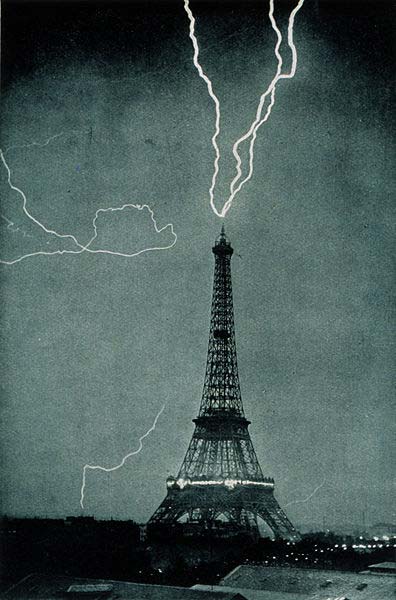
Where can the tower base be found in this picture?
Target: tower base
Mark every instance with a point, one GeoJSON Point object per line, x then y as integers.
{"type": "Point", "coordinates": [218, 509]}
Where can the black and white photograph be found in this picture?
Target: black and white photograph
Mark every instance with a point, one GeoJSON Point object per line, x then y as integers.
{"type": "Point", "coordinates": [197, 287]}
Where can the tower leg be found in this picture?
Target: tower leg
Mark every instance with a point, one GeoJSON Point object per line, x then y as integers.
{"type": "Point", "coordinates": [270, 511]}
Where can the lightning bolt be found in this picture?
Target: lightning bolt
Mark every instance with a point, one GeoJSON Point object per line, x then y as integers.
{"type": "Point", "coordinates": [259, 120]}
{"type": "Point", "coordinates": [308, 497]}
{"type": "Point", "coordinates": [81, 247]}
{"type": "Point", "coordinates": [110, 469]}
{"type": "Point", "coordinates": [215, 99]}
{"type": "Point", "coordinates": [46, 142]}
{"type": "Point", "coordinates": [11, 224]}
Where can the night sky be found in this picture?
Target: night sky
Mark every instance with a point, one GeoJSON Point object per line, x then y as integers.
{"type": "Point", "coordinates": [94, 345]}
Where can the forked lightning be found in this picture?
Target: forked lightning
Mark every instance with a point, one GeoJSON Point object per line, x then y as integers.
{"type": "Point", "coordinates": [236, 185]}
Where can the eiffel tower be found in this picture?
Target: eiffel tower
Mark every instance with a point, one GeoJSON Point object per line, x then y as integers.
{"type": "Point", "coordinates": [220, 482]}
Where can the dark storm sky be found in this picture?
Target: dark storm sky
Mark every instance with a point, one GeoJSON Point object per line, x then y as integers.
{"type": "Point", "coordinates": [94, 345]}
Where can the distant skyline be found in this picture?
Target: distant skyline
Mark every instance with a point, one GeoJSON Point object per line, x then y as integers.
{"type": "Point", "coordinates": [94, 345]}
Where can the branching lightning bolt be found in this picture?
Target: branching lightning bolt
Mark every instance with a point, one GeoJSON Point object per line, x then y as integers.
{"type": "Point", "coordinates": [110, 469]}
{"type": "Point", "coordinates": [251, 134]}
{"type": "Point", "coordinates": [308, 497]}
{"type": "Point", "coordinates": [81, 247]}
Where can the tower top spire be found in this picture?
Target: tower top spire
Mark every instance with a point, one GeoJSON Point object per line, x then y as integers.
{"type": "Point", "coordinates": [222, 245]}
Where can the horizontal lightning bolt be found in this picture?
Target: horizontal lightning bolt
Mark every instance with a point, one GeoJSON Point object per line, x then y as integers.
{"type": "Point", "coordinates": [46, 142]}
{"type": "Point", "coordinates": [81, 247]}
{"type": "Point", "coordinates": [110, 469]}
{"type": "Point", "coordinates": [259, 119]}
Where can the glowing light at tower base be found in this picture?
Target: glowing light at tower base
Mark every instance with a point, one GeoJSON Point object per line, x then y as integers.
{"type": "Point", "coordinates": [228, 483]}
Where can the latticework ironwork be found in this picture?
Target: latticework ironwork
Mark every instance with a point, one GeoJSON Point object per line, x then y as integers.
{"type": "Point", "coordinates": [220, 477]}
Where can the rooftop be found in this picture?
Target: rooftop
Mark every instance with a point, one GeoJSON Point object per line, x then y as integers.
{"type": "Point", "coordinates": [313, 584]}
{"type": "Point", "coordinates": [386, 567]}
{"type": "Point", "coordinates": [45, 587]}
{"type": "Point", "coordinates": [250, 594]}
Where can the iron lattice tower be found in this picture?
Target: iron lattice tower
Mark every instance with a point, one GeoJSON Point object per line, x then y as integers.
{"type": "Point", "coordinates": [220, 482]}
